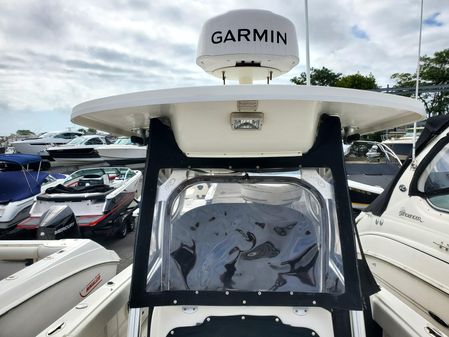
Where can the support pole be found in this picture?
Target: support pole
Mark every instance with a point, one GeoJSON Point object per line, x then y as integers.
{"type": "Point", "coordinates": [306, 9]}
{"type": "Point", "coordinates": [418, 68]}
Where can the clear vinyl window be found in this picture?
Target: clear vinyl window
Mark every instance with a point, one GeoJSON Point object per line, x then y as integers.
{"type": "Point", "coordinates": [247, 233]}
{"type": "Point", "coordinates": [434, 181]}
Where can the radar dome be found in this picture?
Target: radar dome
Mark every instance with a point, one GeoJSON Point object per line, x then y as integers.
{"type": "Point", "coordinates": [247, 45]}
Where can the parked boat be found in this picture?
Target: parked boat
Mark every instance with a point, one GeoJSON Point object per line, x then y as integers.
{"type": "Point", "coordinates": [252, 233]}
{"type": "Point", "coordinates": [100, 199]}
{"type": "Point", "coordinates": [123, 152]}
{"type": "Point", "coordinates": [403, 145]}
{"type": "Point", "coordinates": [21, 179]}
{"type": "Point", "coordinates": [370, 167]}
{"type": "Point", "coordinates": [405, 237]}
{"type": "Point", "coordinates": [38, 146]}
{"type": "Point", "coordinates": [39, 280]}
{"type": "Point", "coordinates": [79, 150]}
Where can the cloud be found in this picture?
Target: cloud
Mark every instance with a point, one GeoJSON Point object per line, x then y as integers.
{"type": "Point", "coordinates": [55, 54]}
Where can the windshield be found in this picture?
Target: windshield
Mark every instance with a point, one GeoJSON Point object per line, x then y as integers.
{"type": "Point", "coordinates": [112, 173]}
{"type": "Point", "coordinates": [48, 134]}
{"type": "Point", "coordinates": [434, 181]}
{"type": "Point", "coordinates": [123, 141]}
{"type": "Point", "coordinates": [77, 141]}
{"type": "Point", "coordinates": [247, 233]}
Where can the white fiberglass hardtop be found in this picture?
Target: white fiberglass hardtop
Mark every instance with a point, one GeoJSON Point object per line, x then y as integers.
{"type": "Point", "coordinates": [290, 114]}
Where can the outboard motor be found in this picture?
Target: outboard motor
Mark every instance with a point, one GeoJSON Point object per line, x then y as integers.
{"type": "Point", "coordinates": [59, 222]}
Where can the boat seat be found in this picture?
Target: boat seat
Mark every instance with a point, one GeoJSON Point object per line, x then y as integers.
{"type": "Point", "coordinates": [93, 180]}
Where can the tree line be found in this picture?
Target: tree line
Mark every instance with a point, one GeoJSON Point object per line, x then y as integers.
{"type": "Point", "coordinates": [89, 131]}
{"type": "Point", "coordinates": [434, 70]}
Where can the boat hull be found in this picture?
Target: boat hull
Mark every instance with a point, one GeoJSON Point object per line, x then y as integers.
{"type": "Point", "coordinates": [68, 289]}
{"type": "Point", "coordinates": [420, 282]}
{"type": "Point", "coordinates": [66, 272]}
{"type": "Point", "coordinates": [116, 155]}
{"type": "Point", "coordinates": [35, 147]}
{"type": "Point", "coordinates": [14, 212]}
{"type": "Point", "coordinates": [107, 315]}
{"type": "Point", "coordinates": [74, 155]}
{"type": "Point", "coordinates": [360, 199]}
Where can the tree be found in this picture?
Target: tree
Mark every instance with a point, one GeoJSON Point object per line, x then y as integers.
{"type": "Point", "coordinates": [327, 77]}
{"type": "Point", "coordinates": [434, 71]}
{"type": "Point", "coordinates": [91, 131]}
{"type": "Point", "coordinates": [323, 77]}
{"type": "Point", "coordinates": [357, 81]}
{"type": "Point", "coordinates": [24, 132]}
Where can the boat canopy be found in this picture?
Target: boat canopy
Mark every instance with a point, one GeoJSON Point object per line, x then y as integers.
{"type": "Point", "coordinates": [20, 159]}
{"type": "Point", "coordinates": [288, 113]}
{"type": "Point", "coordinates": [19, 185]}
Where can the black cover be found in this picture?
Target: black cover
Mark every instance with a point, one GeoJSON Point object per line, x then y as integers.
{"type": "Point", "coordinates": [79, 189]}
{"type": "Point", "coordinates": [58, 222]}
{"type": "Point", "coordinates": [242, 326]}
{"type": "Point", "coordinates": [434, 126]}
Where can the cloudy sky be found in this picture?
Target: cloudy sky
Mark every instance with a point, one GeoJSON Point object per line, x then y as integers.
{"type": "Point", "coordinates": [55, 54]}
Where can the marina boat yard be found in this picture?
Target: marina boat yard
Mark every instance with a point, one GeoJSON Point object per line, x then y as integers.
{"type": "Point", "coordinates": [224, 291]}
{"type": "Point", "coordinates": [215, 215]}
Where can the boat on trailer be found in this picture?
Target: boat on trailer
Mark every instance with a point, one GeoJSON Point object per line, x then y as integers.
{"type": "Point", "coordinates": [101, 199]}
{"type": "Point", "coordinates": [252, 232]}
{"type": "Point", "coordinates": [21, 179]}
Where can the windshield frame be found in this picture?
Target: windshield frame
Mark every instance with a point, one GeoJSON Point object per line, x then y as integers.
{"type": "Point", "coordinates": [164, 154]}
{"type": "Point", "coordinates": [420, 170]}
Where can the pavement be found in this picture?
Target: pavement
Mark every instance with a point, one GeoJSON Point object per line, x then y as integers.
{"type": "Point", "coordinates": [123, 247]}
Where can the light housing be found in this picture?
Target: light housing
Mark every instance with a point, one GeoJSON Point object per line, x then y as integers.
{"type": "Point", "coordinates": [246, 120]}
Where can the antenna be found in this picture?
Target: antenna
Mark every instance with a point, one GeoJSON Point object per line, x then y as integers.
{"type": "Point", "coordinates": [417, 81]}
{"type": "Point", "coordinates": [306, 13]}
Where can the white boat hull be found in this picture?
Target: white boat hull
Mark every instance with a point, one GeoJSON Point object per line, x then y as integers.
{"type": "Point", "coordinates": [117, 155]}
{"type": "Point", "coordinates": [397, 318]}
{"type": "Point", "coordinates": [417, 279]}
{"type": "Point", "coordinates": [36, 147]}
{"type": "Point", "coordinates": [72, 161]}
{"type": "Point", "coordinates": [75, 154]}
{"type": "Point", "coordinates": [107, 315]}
{"type": "Point", "coordinates": [117, 152]}
{"type": "Point", "coordinates": [66, 272]}
{"type": "Point", "coordinates": [14, 212]}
